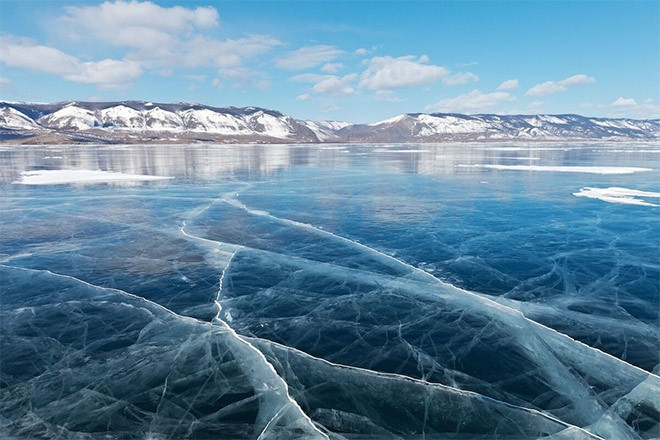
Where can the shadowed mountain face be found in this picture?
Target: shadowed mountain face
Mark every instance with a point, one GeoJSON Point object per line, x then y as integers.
{"type": "Point", "coordinates": [139, 122]}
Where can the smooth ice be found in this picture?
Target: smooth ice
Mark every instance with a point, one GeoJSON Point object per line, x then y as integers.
{"type": "Point", "coordinates": [355, 292]}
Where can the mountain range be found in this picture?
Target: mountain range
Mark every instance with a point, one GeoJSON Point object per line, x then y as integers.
{"type": "Point", "coordinates": [146, 122]}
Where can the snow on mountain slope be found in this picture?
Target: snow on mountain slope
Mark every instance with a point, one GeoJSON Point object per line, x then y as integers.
{"type": "Point", "coordinates": [163, 120]}
{"type": "Point", "coordinates": [432, 125]}
{"type": "Point", "coordinates": [270, 125]}
{"type": "Point", "coordinates": [326, 130]}
{"type": "Point", "coordinates": [206, 120]}
{"type": "Point", "coordinates": [70, 117]}
{"type": "Point", "coordinates": [138, 121]}
{"type": "Point", "coordinates": [438, 127]}
{"type": "Point", "coordinates": [393, 120]}
{"type": "Point", "coordinates": [122, 117]}
{"type": "Point", "coordinates": [12, 119]}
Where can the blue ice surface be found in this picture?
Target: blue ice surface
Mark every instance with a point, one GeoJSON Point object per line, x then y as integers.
{"type": "Point", "coordinates": [283, 291]}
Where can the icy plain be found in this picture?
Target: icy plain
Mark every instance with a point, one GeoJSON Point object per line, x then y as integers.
{"type": "Point", "coordinates": [353, 292]}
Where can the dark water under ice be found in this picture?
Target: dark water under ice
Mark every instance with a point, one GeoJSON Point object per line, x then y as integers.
{"type": "Point", "coordinates": [357, 292]}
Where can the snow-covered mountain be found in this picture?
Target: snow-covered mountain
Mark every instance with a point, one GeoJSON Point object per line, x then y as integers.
{"type": "Point", "coordinates": [136, 121]}
{"type": "Point", "coordinates": [442, 127]}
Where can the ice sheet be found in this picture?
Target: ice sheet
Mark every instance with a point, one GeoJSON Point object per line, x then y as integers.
{"type": "Point", "coordinates": [291, 292]}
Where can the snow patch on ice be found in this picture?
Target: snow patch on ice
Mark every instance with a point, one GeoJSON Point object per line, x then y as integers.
{"type": "Point", "coordinates": [562, 168]}
{"type": "Point", "coordinates": [59, 177]}
{"type": "Point", "coordinates": [614, 194]}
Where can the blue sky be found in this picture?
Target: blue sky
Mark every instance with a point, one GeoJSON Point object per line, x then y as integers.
{"type": "Point", "coordinates": [357, 61]}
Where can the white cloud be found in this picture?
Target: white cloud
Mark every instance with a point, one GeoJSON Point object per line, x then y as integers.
{"type": "Point", "coordinates": [244, 77]}
{"type": "Point", "coordinates": [198, 78]}
{"type": "Point", "coordinates": [307, 57]}
{"type": "Point", "coordinates": [163, 37]}
{"type": "Point", "coordinates": [550, 87]}
{"type": "Point", "coordinates": [107, 74]}
{"type": "Point", "coordinates": [4, 80]}
{"type": "Point", "coordinates": [623, 102]}
{"type": "Point", "coordinates": [471, 102]}
{"type": "Point", "coordinates": [387, 96]}
{"type": "Point", "coordinates": [387, 73]}
{"type": "Point", "coordinates": [165, 73]}
{"type": "Point", "coordinates": [577, 80]}
{"type": "Point", "coordinates": [336, 86]}
{"type": "Point", "coordinates": [38, 58]}
{"type": "Point", "coordinates": [460, 78]}
{"type": "Point", "coordinates": [216, 83]}
{"type": "Point", "coordinates": [535, 105]}
{"type": "Point", "coordinates": [332, 67]}
{"type": "Point", "coordinates": [361, 51]}
{"type": "Point", "coordinates": [328, 84]}
{"type": "Point", "coordinates": [139, 24]}
{"type": "Point", "coordinates": [201, 51]}
{"type": "Point", "coordinates": [509, 84]}
{"type": "Point", "coordinates": [330, 107]}
{"type": "Point", "coordinates": [629, 108]}
{"type": "Point", "coordinates": [303, 97]}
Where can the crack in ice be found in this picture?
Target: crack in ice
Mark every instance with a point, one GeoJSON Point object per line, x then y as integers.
{"type": "Point", "coordinates": [425, 383]}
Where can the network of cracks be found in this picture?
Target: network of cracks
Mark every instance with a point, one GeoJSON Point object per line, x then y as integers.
{"type": "Point", "coordinates": [227, 322]}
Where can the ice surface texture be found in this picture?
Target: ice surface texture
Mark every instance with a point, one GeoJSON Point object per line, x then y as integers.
{"type": "Point", "coordinates": [309, 304]}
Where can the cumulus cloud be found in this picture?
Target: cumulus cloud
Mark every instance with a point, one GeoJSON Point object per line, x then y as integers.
{"type": "Point", "coordinates": [164, 37]}
{"type": "Point", "coordinates": [361, 51]}
{"type": "Point", "coordinates": [387, 73]}
{"type": "Point", "coordinates": [332, 67]}
{"type": "Point", "coordinates": [460, 78]}
{"type": "Point", "coordinates": [107, 73]}
{"type": "Point", "coordinates": [471, 102]}
{"type": "Point", "coordinates": [509, 84]}
{"type": "Point", "coordinates": [202, 51]}
{"type": "Point", "coordinates": [4, 80]}
{"type": "Point", "coordinates": [550, 87]}
{"type": "Point", "coordinates": [307, 57]}
{"type": "Point", "coordinates": [623, 102]}
{"type": "Point", "coordinates": [139, 24]}
{"type": "Point", "coordinates": [328, 84]}
{"type": "Point", "coordinates": [303, 97]}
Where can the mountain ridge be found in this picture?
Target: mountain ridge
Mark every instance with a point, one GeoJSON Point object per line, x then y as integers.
{"type": "Point", "coordinates": [148, 122]}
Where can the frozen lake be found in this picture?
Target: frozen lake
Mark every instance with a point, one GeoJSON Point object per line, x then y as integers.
{"type": "Point", "coordinates": [330, 291]}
